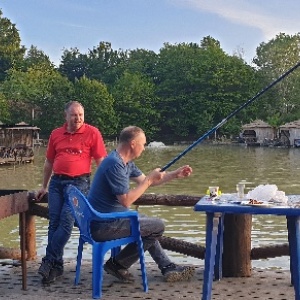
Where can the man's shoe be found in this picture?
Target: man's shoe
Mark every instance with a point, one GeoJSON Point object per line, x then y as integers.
{"type": "Point", "coordinates": [114, 269]}
{"type": "Point", "coordinates": [45, 268]}
{"type": "Point", "coordinates": [55, 273]}
{"type": "Point", "coordinates": [173, 273]}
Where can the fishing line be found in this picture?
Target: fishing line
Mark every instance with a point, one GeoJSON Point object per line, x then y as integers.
{"type": "Point", "coordinates": [229, 117]}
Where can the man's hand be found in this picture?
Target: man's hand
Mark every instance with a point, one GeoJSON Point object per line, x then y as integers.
{"type": "Point", "coordinates": [183, 171]}
{"type": "Point", "coordinates": [155, 176]}
{"type": "Point", "coordinates": [40, 194]}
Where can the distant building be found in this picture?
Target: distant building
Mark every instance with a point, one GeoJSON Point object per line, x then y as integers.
{"type": "Point", "coordinates": [290, 134]}
{"type": "Point", "coordinates": [257, 133]}
{"type": "Point", "coordinates": [18, 135]}
{"type": "Point", "coordinates": [17, 142]}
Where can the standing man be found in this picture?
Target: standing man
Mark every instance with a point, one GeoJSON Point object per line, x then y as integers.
{"type": "Point", "coordinates": [68, 161]}
{"type": "Point", "coordinates": [111, 192]}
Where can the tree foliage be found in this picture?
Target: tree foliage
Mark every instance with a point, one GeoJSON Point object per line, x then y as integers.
{"type": "Point", "coordinates": [4, 109]}
{"type": "Point", "coordinates": [144, 62]}
{"type": "Point", "coordinates": [11, 51]}
{"type": "Point", "coordinates": [38, 96]}
{"type": "Point", "coordinates": [201, 85]}
{"type": "Point", "coordinates": [34, 57]}
{"type": "Point", "coordinates": [180, 92]}
{"type": "Point", "coordinates": [135, 102]}
{"type": "Point", "coordinates": [74, 65]}
{"type": "Point", "coordinates": [272, 60]}
{"type": "Point", "coordinates": [98, 103]}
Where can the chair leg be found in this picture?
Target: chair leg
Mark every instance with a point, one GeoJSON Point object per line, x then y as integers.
{"type": "Point", "coordinates": [79, 258]}
{"type": "Point", "coordinates": [98, 260]}
{"type": "Point", "coordinates": [115, 251]}
{"type": "Point", "coordinates": [143, 265]}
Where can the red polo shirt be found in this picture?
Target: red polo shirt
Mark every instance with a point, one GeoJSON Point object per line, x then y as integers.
{"type": "Point", "coordinates": [71, 153]}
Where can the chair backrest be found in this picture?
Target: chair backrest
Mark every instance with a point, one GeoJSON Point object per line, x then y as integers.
{"type": "Point", "coordinates": [84, 213]}
{"type": "Point", "coordinates": [81, 208]}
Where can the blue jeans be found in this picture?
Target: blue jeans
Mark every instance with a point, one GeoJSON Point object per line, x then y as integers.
{"type": "Point", "coordinates": [151, 229]}
{"type": "Point", "coordinates": [61, 220]}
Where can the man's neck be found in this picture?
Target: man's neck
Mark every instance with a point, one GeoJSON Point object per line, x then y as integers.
{"type": "Point", "coordinates": [71, 129]}
{"type": "Point", "coordinates": [124, 154]}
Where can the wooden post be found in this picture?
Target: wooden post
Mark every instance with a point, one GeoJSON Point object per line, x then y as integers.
{"type": "Point", "coordinates": [22, 229]}
{"type": "Point", "coordinates": [30, 236]}
{"type": "Point", "coordinates": [237, 246]}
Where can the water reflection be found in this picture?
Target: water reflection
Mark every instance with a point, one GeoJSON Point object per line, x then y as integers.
{"type": "Point", "coordinates": [219, 165]}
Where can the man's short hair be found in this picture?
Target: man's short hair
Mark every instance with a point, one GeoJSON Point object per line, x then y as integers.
{"type": "Point", "coordinates": [129, 133]}
{"type": "Point", "coordinates": [67, 105]}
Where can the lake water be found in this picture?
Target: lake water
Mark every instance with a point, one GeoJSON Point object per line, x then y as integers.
{"type": "Point", "coordinates": [221, 165]}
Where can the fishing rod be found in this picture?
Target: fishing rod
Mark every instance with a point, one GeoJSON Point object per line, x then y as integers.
{"type": "Point", "coordinates": [228, 117]}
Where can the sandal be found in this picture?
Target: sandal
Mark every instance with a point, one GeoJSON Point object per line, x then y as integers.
{"type": "Point", "coordinates": [114, 269]}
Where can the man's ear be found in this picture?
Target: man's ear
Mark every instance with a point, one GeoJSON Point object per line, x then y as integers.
{"type": "Point", "coordinates": [132, 143]}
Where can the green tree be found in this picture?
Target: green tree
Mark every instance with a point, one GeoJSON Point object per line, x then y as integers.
{"type": "Point", "coordinates": [98, 103]}
{"type": "Point", "coordinates": [143, 62]}
{"type": "Point", "coordinates": [102, 63]}
{"type": "Point", "coordinates": [11, 51]}
{"type": "Point", "coordinates": [38, 96]}
{"type": "Point", "coordinates": [34, 57]}
{"type": "Point", "coordinates": [74, 64]}
{"type": "Point", "coordinates": [210, 43]}
{"type": "Point", "coordinates": [106, 64]}
{"type": "Point", "coordinates": [272, 60]}
{"type": "Point", "coordinates": [232, 83]}
{"type": "Point", "coordinates": [201, 85]}
{"type": "Point", "coordinates": [179, 86]}
{"type": "Point", "coordinates": [4, 112]}
{"type": "Point", "coordinates": [135, 102]}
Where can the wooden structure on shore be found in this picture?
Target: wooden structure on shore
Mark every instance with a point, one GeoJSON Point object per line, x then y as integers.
{"type": "Point", "coordinates": [237, 262]}
{"type": "Point", "coordinates": [257, 132]}
{"type": "Point", "coordinates": [290, 133]}
{"type": "Point", "coordinates": [17, 142]}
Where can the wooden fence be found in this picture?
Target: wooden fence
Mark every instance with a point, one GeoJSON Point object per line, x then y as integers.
{"type": "Point", "coordinates": [237, 254]}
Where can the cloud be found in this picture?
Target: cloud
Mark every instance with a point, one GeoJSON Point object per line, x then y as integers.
{"type": "Point", "coordinates": [80, 27]}
{"type": "Point", "coordinates": [262, 17]}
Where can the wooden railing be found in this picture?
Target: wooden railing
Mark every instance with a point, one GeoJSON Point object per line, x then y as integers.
{"type": "Point", "coordinates": [237, 232]}
{"type": "Point", "coordinates": [16, 202]}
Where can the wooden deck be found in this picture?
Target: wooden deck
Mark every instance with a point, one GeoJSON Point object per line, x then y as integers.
{"type": "Point", "coordinates": [18, 160]}
{"type": "Point", "coordinates": [263, 284]}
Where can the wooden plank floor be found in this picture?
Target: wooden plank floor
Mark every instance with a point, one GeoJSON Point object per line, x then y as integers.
{"type": "Point", "coordinates": [264, 284]}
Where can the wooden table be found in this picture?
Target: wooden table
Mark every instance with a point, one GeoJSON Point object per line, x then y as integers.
{"type": "Point", "coordinates": [215, 211]}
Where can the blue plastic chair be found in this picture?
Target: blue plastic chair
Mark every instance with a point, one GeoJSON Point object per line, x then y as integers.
{"type": "Point", "coordinates": [84, 214]}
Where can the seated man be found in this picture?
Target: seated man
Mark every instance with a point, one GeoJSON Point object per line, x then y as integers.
{"type": "Point", "coordinates": [111, 192]}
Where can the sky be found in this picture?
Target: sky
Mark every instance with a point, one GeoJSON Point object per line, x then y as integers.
{"type": "Point", "coordinates": [239, 25]}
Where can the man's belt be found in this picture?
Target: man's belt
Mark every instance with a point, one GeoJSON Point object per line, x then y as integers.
{"type": "Point", "coordinates": [66, 177]}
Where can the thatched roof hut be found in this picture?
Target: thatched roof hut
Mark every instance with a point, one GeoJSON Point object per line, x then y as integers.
{"type": "Point", "coordinates": [258, 132]}
{"type": "Point", "coordinates": [290, 133]}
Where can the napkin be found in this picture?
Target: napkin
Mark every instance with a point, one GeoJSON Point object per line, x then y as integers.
{"type": "Point", "coordinates": [267, 193]}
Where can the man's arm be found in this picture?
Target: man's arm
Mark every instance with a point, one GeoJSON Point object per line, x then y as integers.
{"type": "Point", "coordinates": [181, 172]}
{"type": "Point", "coordinates": [154, 178]}
{"type": "Point", "coordinates": [48, 166]}
{"type": "Point", "coordinates": [143, 182]}
{"type": "Point", "coordinates": [98, 161]}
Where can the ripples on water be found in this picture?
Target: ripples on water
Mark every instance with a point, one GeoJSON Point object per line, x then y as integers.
{"type": "Point", "coordinates": [212, 165]}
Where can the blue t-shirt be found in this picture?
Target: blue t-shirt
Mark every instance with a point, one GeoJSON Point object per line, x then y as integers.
{"type": "Point", "coordinates": [112, 178]}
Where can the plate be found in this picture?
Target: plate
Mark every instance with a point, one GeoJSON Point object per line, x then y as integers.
{"type": "Point", "coordinates": [257, 204]}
